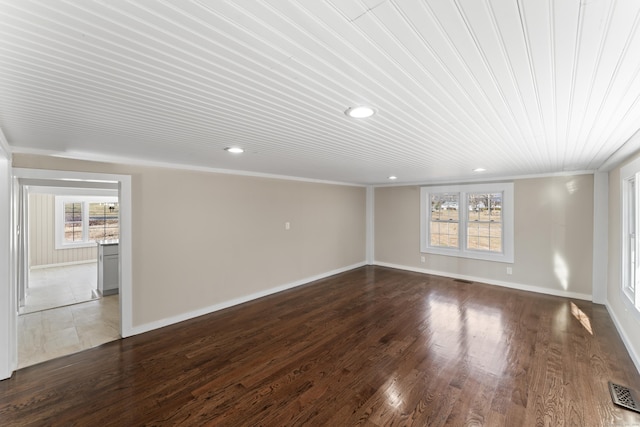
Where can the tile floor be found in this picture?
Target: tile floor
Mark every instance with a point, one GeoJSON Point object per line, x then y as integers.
{"type": "Point", "coordinates": [55, 332]}
{"type": "Point", "coordinates": [57, 286]}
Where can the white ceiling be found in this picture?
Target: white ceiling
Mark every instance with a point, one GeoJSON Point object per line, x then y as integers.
{"type": "Point", "coordinates": [518, 87]}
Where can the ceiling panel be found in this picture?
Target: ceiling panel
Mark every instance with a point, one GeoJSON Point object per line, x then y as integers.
{"type": "Point", "coordinates": [519, 87]}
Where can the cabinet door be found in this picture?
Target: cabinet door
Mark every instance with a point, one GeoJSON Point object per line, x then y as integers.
{"type": "Point", "coordinates": [111, 276]}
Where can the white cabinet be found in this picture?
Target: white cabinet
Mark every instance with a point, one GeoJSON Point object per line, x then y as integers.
{"type": "Point", "coordinates": [108, 267]}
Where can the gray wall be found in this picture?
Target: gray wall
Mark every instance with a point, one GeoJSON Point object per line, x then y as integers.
{"type": "Point", "coordinates": [201, 239]}
{"type": "Point", "coordinates": [553, 236]}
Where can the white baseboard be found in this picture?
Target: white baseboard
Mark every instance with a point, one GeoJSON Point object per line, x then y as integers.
{"type": "Point", "coordinates": [518, 286]}
{"type": "Point", "coordinates": [226, 304]}
{"type": "Point", "coordinates": [63, 264]}
{"type": "Point", "coordinates": [625, 338]}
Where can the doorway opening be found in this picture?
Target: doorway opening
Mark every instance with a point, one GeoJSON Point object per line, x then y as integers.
{"type": "Point", "coordinates": [63, 232]}
{"type": "Point", "coordinates": [65, 302]}
{"type": "Point", "coordinates": [64, 309]}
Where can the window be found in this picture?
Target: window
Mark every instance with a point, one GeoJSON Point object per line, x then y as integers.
{"type": "Point", "coordinates": [73, 222]}
{"type": "Point", "coordinates": [80, 221]}
{"type": "Point", "coordinates": [629, 176]}
{"type": "Point", "coordinates": [484, 226]}
{"type": "Point", "coordinates": [469, 221]}
{"type": "Point", "coordinates": [629, 281]}
{"type": "Point", "coordinates": [444, 220]}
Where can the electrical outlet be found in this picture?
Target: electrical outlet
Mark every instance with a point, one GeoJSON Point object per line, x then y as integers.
{"type": "Point", "coordinates": [509, 270]}
{"type": "Point", "coordinates": [287, 225]}
{"type": "Point", "coordinates": [422, 258]}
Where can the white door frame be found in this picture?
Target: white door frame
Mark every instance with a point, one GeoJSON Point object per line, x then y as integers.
{"type": "Point", "coordinates": [9, 311]}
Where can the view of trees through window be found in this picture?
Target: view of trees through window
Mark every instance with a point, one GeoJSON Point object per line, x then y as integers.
{"type": "Point", "coordinates": [102, 221]}
{"type": "Point", "coordinates": [483, 223]}
{"type": "Point", "coordinates": [468, 221]}
{"type": "Point", "coordinates": [444, 220]}
{"type": "Point", "coordinates": [73, 222]}
{"type": "Point", "coordinates": [484, 226]}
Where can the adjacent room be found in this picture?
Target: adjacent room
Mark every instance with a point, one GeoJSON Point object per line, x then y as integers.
{"type": "Point", "coordinates": [70, 241]}
{"type": "Point", "coordinates": [320, 213]}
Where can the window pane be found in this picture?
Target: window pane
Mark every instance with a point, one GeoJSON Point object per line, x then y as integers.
{"type": "Point", "coordinates": [484, 229]}
{"type": "Point", "coordinates": [444, 234]}
{"type": "Point", "coordinates": [495, 237]}
{"type": "Point", "coordinates": [73, 222]}
{"type": "Point", "coordinates": [444, 220]}
{"type": "Point", "coordinates": [476, 210]}
{"type": "Point", "coordinates": [103, 221]}
{"type": "Point", "coordinates": [444, 206]}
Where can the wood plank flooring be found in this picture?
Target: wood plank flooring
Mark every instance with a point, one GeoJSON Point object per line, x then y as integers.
{"type": "Point", "coordinates": [373, 346]}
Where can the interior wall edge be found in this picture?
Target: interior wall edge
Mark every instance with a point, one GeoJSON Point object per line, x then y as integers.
{"type": "Point", "coordinates": [600, 237]}
{"type": "Point", "coordinates": [635, 358]}
{"type": "Point", "coordinates": [8, 353]}
{"type": "Point", "coordinates": [370, 225]}
{"type": "Point", "coordinates": [511, 285]}
{"type": "Point", "coordinates": [135, 330]}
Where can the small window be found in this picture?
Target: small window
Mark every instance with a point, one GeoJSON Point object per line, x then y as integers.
{"type": "Point", "coordinates": [72, 222]}
{"type": "Point", "coordinates": [103, 221]}
{"type": "Point", "coordinates": [469, 221]}
{"type": "Point", "coordinates": [80, 221]}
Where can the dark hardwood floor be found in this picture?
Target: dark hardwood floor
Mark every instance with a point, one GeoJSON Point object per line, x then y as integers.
{"type": "Point", "coordinates": [373, 346]}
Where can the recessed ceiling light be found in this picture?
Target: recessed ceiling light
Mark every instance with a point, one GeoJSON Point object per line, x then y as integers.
{"type": "Point", "coordinates": [479, 170]}
{"type": "Point", "coordinates": [360, 112]}
{"type": "Point", "coordinates": [392, 177]}
{"type": "Point", "coordinates": [234, 150]}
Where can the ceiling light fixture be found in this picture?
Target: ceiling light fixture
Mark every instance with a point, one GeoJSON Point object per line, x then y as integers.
{"type": "Point", "coordinates": [234, 150]}
{"type": "Point", "coordinates": [360, 112]}
{"type": "Point", "coordinates": [393, 177]}
{"type": "Point", "coordinates": [479, 170]}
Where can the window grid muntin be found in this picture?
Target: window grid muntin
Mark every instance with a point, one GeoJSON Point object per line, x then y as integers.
{"type": "Point", "coordinates": [485, 215]}
{"type": "Point", "coordinates": [444, 208]}
{"type": "Point", "coordinates": [507, 253]}
{"type": "Point", "coordinates": [84, 201]}
{"type": "Point", "coordinates": [103, 221]}
{"type": "Point", "coordinates": [73, 222]}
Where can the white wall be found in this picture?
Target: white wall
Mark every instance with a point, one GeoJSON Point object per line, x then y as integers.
{"type": "Point", "coordinates": [42, 239]}
{"type": "Point", "coordinates": [7, 303]}
{"type": "Point", "coordinates": [627, 321]}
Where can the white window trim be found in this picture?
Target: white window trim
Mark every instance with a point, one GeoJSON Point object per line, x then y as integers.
{"type": "Point", "coordinates": [59, 219]}
{"type": "Point", "coordinates": [507, 254]}
{"type": "Point", "coordinates": [631, 299]}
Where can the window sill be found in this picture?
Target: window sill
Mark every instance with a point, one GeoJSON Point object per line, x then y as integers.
{"type": "Point", "coordinates": [76, 245]}
{"type": "Point", "coordinates": [483, 256]}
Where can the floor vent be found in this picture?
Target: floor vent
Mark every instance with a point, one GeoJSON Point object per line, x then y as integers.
{"type": "Point", "coordinates": [623, 396]}
{"type": "Point", "coordinates": [468, 282]}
